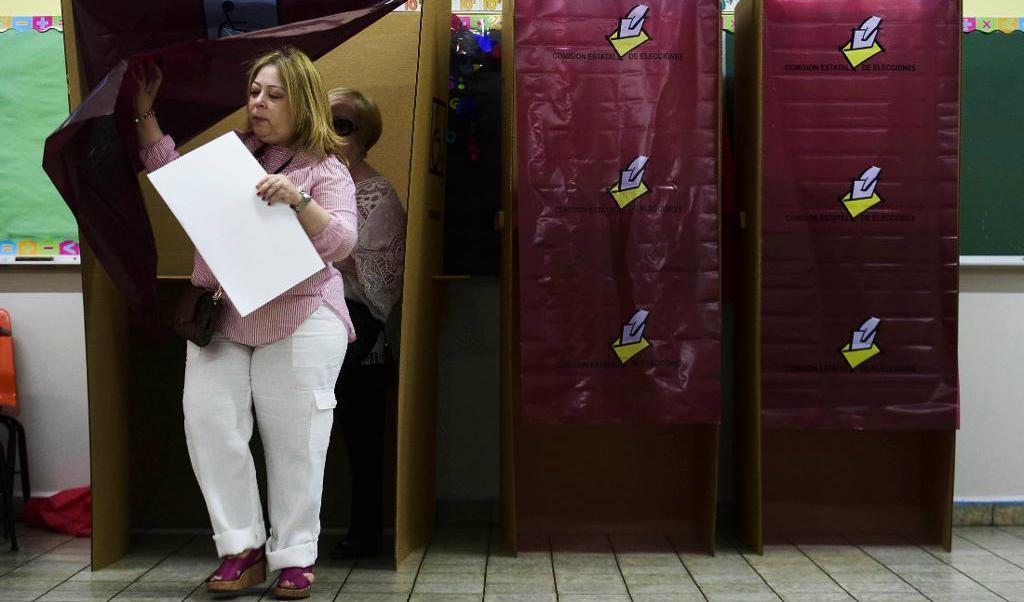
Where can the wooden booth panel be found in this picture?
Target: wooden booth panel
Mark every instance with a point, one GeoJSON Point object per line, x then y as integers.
{"type": "Point", "coordinates": [106, 353]}
{"type": "Point", "coordinates": [381, 61]}
{"type": "Point", "coordinates": [417, 382]}
{"type": "Point", "coordinates": [509, 280]}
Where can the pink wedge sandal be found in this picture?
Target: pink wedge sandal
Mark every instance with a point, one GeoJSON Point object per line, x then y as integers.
{"type": "Point", "coordinates": [235, 574]}
{"type": "Point", "coordinates": [301, 585]}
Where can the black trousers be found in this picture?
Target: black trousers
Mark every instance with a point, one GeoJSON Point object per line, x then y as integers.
{"type": "Point", "coordinates": [361, 392]}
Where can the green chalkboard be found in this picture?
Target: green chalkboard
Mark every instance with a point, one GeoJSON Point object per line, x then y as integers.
{"type": "Point", "coordinates": [992, 148]}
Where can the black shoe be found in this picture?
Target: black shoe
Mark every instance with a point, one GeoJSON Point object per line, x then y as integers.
{"type": "Point", "coordinates": [347, 549]}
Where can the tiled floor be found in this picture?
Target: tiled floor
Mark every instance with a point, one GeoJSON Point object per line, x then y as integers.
{"type": "Point", "coordinates": [465, 563]}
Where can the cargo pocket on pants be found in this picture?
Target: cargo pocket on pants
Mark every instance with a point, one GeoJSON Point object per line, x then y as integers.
{"type": "Point", "coordinates": [321, 419]}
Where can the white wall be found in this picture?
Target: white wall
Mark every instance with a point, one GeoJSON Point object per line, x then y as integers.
{"type": "Point", "coordinates": [989, 446]}
{"type": "Point", "coordinates": [49, 355]}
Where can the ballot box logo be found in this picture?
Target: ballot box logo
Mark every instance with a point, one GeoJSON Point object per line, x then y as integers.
{"type": "Point", "coordinates": [630, 185]}
{"type": "Point", "coordinates": [862, 346]}
{"type": "Point", "coordinates": [630, 33]}
{"type": "Point", "coordinates": [863, 193]}
{"type": "Point", "coordinates": [863, 43]}
{"type": "Point", "coordinates": [632, 340]}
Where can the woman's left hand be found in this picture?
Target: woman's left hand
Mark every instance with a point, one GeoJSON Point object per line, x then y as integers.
{"type": "Point", "coordinates": [277, 188]}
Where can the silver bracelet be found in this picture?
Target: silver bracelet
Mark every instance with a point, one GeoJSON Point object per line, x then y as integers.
{"type": "Point", "coordinates": [144, 116]}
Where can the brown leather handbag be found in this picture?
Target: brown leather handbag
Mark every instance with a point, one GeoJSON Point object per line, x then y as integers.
{"type": "Point", "coordinates": [196, 314]}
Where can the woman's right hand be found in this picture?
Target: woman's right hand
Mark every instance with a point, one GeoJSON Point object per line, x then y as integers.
{"type": "Point", "coordinates": [146, 78]}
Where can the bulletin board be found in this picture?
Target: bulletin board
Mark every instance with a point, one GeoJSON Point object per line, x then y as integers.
{"type": "Point", "coordinates": [36, 227]}
{"type": "Point", "coordinates": [993, 124]}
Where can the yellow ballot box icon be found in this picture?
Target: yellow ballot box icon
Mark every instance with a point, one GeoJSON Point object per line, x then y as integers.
{"type": "Point", "coordinates": [631, 184]}
{"type": "Point", "coordinates": [857, 206]}
{"type": "Point", "coordinates": [862, 195]}
{"type": "Point", "coordinates": [864, 43]}
{"type": "Point", "coordinates": [624, 46]}
{"type": "Point", "coordinates": [857, 56]}
{"type": "Point", "coordinates": [856, 357]}
{"type": "Point", "coordinates": [626, 352]}
{"type": "Point", "coordinates": [624, 197]}
{"type": "Point", "coordinates": [630, 34]}
{"type": "Point", "coordinates": [632, 341]}
{"type": "Point", "coordinates": [862, 345]}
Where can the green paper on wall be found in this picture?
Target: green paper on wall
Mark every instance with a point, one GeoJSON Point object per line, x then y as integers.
{"type": "Point", "coordinates": [34, 220]}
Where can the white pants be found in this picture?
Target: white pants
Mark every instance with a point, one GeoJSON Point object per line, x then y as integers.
{"type": "Point", "coordinates": [291, 384]}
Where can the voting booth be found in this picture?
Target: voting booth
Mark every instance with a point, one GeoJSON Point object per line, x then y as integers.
{"type": "Point", "coordinates": [610, 304]}
{"type": "Point", "coordinates": [141, 476]}
{"type": "Point", "coordinates": [847, 381]}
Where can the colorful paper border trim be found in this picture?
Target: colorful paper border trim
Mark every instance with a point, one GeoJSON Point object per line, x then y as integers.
{"type": "Point", "coordinates": [458, 6]}
{"type": "Point", "coordinates": [982, 24]}
{"type": "Point", "coordinates": [993, 24]}
{"type": "Point", "coordinates": [32, 250]}
{"type": "Point", "coordinates": [39, 23]}
{"type": "Point", "coordinates": [476, 6]}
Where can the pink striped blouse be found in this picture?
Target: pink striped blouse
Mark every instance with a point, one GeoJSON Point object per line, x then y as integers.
{"type": "Point", "coordinates": [330, 185]}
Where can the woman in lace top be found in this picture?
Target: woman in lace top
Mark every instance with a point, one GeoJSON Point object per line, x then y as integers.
{"type": "Point", "coordinates": [373, 286]}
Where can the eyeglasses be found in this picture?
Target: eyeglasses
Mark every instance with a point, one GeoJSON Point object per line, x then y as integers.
{"type": "Point", "coordinates": [343, 126]}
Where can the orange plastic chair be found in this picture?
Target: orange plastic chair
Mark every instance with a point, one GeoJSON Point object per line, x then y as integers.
{"type": "Point", "coordinates": [8, 390]}
{"type": "Point", "coordinates": [16, 444]}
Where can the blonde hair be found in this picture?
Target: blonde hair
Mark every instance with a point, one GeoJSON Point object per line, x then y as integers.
{"type": "Point", "coordinates": [310, 112]}
{"type": "Point", "coordinates": [367, 115]}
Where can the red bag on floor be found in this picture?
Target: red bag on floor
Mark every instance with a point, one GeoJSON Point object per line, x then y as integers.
{"type": "Point", "coordinates": [69, 512]}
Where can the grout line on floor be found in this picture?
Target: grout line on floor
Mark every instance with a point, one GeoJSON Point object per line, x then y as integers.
{"type": "Point", "coordinates": [685, 568]}
{"type": "Point", "coordinates": [822, 569]}
{"type": "Point", "coordinates": [890, 569]}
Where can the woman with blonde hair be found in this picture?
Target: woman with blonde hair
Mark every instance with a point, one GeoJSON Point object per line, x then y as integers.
{"type": "Point", "coordinates": [373, 285]}
{"type": "Point", "coordinates": [281, 360]}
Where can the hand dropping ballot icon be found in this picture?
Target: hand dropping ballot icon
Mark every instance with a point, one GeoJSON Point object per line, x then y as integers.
{"type": "Point", "coordinates": [632, 340]}
{"type": "Point", "coordinates": [862, 195]}
{"type": "Point", "coordinates": [630, 34]}
{"type": "Point", "coordinates": [631, 184]}
{"type": "Point", "coordinates": [864, 43]}
{"type": "Point", "coordinates": [862, 346]}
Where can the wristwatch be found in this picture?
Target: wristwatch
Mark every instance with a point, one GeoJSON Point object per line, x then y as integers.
{"type": "Point", "coordinates": [306, 199]}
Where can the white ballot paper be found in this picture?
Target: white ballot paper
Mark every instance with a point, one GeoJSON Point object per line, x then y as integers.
{"type": "Point", "coordinates": [255, 251]}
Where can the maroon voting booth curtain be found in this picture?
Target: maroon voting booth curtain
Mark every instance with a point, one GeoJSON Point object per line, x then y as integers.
{"type": "Point", "coordinates": [92, 157]}
{"type": "Point", "coordinates": [617, 109]}
{"type": "Point", "coordinates": [859, 168]}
